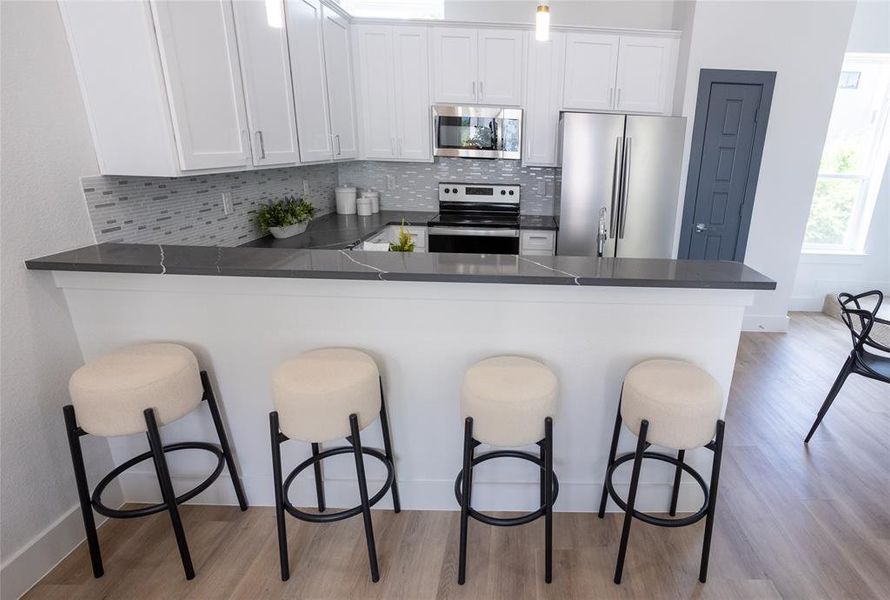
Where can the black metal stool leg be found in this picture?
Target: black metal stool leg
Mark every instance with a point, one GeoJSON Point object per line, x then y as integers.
{"type": "Point", "coordinates": [613, 449]}
{"type": "Point", "coordinates": [157, 451]}
{"type": "Point", "coordinates": [276, 439]}
{"type": "Point", "coordinates": [363, 493]}
{"type": "Point", "coordinates": [465, 499]}
{"type": "Point", "coordinates": [631, 499]}
{"type": "Point", "coordinates": [832, 394]}
{"type": "Point", "coordinates": [83, 490]}
{"type": "Point", "coordinates": [319, 481]}
{"type": "Point", "coordinates": [387, 447]}
{"type": "Point", "coordinates": [678, 474]}
{"type": "Point", "coordinates": [712, 502]}
{"type": "Point", "coordinates": [543, 455]}
{"type": "Point", "coordinates": [223, 440]}
{"type": "Point", "coordinates": [548, 488]}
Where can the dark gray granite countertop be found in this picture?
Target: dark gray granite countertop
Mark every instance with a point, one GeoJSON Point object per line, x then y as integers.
{"type": "Point", "coordinates": [391, 266]}
{"type": "Point", "coordinates": [339, 232]}
{"type": "Point", "coordinates": [538, 222]}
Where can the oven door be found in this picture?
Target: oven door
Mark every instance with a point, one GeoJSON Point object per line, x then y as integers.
{"type": "Point", "coordinates": [477, 132]}
{"type": "Point", "coordinates": [474, 240]}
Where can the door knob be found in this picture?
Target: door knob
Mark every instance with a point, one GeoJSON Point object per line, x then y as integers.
{"type": "Point", "coordinates": [699, 227]}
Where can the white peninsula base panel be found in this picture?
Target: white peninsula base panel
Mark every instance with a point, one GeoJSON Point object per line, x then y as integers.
{"type": "Point", "coordinates": [423, 336]}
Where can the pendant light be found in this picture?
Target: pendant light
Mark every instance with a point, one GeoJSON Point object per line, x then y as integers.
{"type": "Point", "coordinates": [542, 23]}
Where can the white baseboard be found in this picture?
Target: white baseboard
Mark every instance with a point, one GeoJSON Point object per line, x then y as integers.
{"type": "Point", "coordinates": [770, 323]}
{"type": "Point", "coordinates": [26, 567]}
{"type": "Point", "coordinates": [419, 495]}
{"type": "Point", "coordinates": [807, 304]}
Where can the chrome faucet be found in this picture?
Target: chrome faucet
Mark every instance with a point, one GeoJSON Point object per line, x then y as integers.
{"type": "Point", "coordinates": [602, 234]}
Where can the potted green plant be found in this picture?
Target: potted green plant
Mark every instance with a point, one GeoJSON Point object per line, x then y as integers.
{"type": "Point", "coordinates": [405, 243]}
{"type": "Point", "coordinates": [285, 218]}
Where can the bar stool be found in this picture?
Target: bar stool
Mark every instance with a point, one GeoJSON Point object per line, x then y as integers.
{"type": "Point", "coordinates": [319, 396]}
{"type": "Point", "coordinates": [136, 390]}
{"type": "Point", "coordinates": [673, 404]}
{"type": "Point", "coordinates": [508, 401]}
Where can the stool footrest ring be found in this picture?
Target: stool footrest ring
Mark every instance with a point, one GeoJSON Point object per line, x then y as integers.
{"type": "Point", "coordinates": [100, 508]}
{"type": "Point", "coordinates": [645, 517]}
{"type": "Point", "coordinates": [505, 521]}
{"type": "Point", "coordinates": [345, 513]}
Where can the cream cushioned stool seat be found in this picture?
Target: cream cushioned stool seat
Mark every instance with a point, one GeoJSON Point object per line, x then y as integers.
{"type": "Point", "coordinates": [110, 393]}
{"type": "Point", "coordinates": [509, 397]}
{"type": "Point", "coordinates": [315, 392]}
{"type": "Point", "coordinates": [681, 401]}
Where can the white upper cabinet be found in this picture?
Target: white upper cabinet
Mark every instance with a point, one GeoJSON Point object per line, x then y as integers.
{"type": "Point", "coordinates": [265, 68]}
{"type": "Point", "coordinates": [454, 65]}
{"type": "Point", "coordinates": [623, 73]}
{"type": "Point", "coordinates": [412, 85]}
{"type": "Point", "coordinates": [500, 67]}
{"type": "Point", "coordinates": [472, 66]}
{"type": "Point", "coordinates": [646, 73]}
{"type": "Point", "coordinates": [341, 96]}
{"type": "Point", "coordinates": [309, 83]}
{"type": "Point", "coordinates": [591, 65]}
{"type": "Point", "coordinates": [543, 99]}
{"type": "Point", "coordinates": [393, 83]}
{"type": "Point", "coordinates": [199, 55]}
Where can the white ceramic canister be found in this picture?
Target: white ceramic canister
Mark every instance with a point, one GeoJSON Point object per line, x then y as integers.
{"type": "Point", "coordinates": [345, 199]}
{"type": "Point", "coordinates": [363, 206]}
{"type": "Point", "coordinates": [375, 200]}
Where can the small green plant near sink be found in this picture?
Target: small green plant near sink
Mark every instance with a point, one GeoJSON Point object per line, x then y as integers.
{"type": "Point", "coordinates": [285, 218]}
{"type": "Point", "coordinates": [405, 243]}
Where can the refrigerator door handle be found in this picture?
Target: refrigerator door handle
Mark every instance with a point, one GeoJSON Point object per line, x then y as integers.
{"type": "Point", "coordinates": [616, 173]}
{"type": "Point", "coordinates": [625, 180]}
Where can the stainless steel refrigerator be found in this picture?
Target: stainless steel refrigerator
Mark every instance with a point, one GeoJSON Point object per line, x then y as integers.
{"type": "Point", "coordinates": [620, 184]}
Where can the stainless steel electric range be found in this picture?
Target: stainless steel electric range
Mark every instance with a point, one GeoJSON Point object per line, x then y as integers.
{"type": "Point", "coordinates": [474, 218]}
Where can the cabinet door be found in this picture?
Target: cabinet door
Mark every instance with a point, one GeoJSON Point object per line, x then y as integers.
{"type": "Point", "coordinates": [199, 56]}
{"type": "Point", "coordinates": [546, 62]}
{"type": "Point", "coordinates": [454, 65]}
{"type": "Point", "coordinates": [310, 87]}
{"type": "Point", "coordinates": [591, 63]}
{"type": "Point", "coordinates": [341, 95]}
{"type": "Point", "coordinates": [646, 72]}
{"type": "Point", "coordinates": [376, 94]}
{"type": "Point", "coordinates": [500, 67]}
{"type": "Point", "coordinates": [412, 96]}
{"type": "Point", "coordinates": [265, 67]}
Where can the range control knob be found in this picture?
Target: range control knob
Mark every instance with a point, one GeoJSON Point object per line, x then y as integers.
{"type": "Point", "coordinates": [511, 192]}
{"type": "Point", "coordinates": [503, 192]}
{"type": "Point", "coordinates": [447, 190]}
{"type": "Point", "coordinates": [454, 190]}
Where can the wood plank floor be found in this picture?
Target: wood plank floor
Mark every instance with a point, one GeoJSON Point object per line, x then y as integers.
{"type": "Point", "coordinates": [792, 521]}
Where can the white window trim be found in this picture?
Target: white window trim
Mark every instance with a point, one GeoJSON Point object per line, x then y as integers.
{"type": "Point", "coordinates": [872, 180]}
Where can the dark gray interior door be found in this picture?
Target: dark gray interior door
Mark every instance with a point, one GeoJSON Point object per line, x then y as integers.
{"type": "Point", "coordinates": [727, 143]}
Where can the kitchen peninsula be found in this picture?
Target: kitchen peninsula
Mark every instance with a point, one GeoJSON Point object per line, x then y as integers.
{"type": "Point", "coordinates": [425, 318]}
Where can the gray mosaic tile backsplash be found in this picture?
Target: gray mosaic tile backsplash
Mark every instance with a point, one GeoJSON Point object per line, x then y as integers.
{"type": "Point", "coordinates": [189, 210]}
{"type": "Point", "coordinates": [414, 186]}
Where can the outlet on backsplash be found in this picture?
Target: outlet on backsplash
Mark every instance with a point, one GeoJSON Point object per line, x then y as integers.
{"type": "Point", "coordinates": [227, 203]}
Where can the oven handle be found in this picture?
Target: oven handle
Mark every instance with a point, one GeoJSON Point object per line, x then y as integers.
{"type": "Point", "coordinates": [474, 232]}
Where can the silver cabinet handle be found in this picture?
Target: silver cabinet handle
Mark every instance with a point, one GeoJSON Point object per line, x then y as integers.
{"type": "Point", "coordinates": [538, 237]}
{"type": "Point", "coordinates": [700, 227]}
{"type": "Point", "coordinates": [399, 145]}
{"type": "Point", "coordinates": [337, 137]}
{"type": "Point", "coordinates": [262, 146]}
{"type": "Point", "coordinates": [624, 185]}
{"type": "Point", "coordinates": [616, 173]}
{"type": "Point", "coordinates": [481, 92]}
{"type": "Point", "coordinates": [474, 90]}
{"type": "Point", "coordinates": [618, 100]}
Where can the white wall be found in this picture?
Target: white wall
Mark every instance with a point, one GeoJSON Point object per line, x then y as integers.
{"type": "Point", "coordinates": [642, 14]}
{"type": "Point", "coordinates": [804, 42]}
{"type": "Point", "coordinates": [871, 27]}
{"type": "Point", "coordinates": [45, 148]}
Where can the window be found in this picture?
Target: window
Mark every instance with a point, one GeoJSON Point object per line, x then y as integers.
{"type": "Point", "coordinates": [854, 157]}
{"type": "Point", "coordinates": [396, 9]}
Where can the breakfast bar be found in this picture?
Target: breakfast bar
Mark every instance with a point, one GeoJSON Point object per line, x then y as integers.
{"type": "Point", "coordinates": [425, 318]}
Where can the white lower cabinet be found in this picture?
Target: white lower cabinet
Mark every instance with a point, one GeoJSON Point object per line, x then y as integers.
{"type": "Point", "coordinates": [393, 82]}
{"type": "Point", "coordinates": [537, 242]}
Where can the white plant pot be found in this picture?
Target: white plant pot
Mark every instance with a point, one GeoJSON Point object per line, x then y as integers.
{"type": "Point", "coordinates": [289, 231]}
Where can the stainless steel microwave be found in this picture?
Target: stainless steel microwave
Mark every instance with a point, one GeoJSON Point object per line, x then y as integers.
{"type": "Point", "coordinates": [477, 131]}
